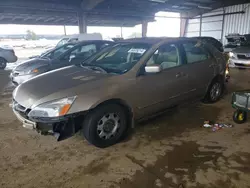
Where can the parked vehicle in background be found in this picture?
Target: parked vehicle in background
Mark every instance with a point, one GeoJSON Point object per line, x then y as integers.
{"type": "Point", "coordinates": [240, 56]}
{"type": "Point", "coordinates": [78, 38]}
{"type": "Point", "coordinates": [7, 55]}
{"type": "Point", "coordinates": [123, 83]}
{"type": "Point", "coordinates": [73, 39]}
{"type": "Point", "coordinates": [68, 54]}
{"type": "Point", "coordinates": [234, 40]}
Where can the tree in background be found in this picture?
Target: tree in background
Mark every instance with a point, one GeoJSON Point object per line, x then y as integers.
{"type": "Point", "coordinates": [31, 35]}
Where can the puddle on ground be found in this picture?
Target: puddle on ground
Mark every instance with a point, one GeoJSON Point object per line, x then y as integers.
{"type": "Point", "coordinates": [178, 168]}
{"type": "Point", "coordinates": [170, 169]}
{"type": "Point", "coordinates": [177, 121]}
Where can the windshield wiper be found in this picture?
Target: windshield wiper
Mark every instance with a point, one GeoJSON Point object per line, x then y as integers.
{"type": "Point", "coordinates": [95, 67]}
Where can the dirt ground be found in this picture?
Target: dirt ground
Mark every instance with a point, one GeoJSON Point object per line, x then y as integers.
{"type": "Point", "coordinates": [170, 151]}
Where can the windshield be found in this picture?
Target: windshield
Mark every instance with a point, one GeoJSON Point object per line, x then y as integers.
{"type": "Point", "coordinates": [58, 51]}
{"type": "Point", "coordinates": [120, 58]}
{"type": "Point", "coordinates": [62, 42]}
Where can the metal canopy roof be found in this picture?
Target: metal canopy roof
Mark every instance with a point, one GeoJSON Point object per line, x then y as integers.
{"type": "Point", "coordinates": [100, 12]}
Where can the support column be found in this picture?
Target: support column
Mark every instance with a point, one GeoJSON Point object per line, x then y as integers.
{"type": "Point", "coordinates": [144, 28]}
{"type": "Point", "coordinates": [223, 25]}
{"type": "Point", "coordinates": [184, 24]}
{"type": "Point", "coordinates": [65, 31]}
{"type": "Point", "coordinates": [121, 32]}
{"type": "Point", "coordinates": [82, 22]}
{"type": "Point", "coordinates": [200, 25]}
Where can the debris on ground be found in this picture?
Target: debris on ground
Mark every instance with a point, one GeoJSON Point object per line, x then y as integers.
{"type": "Point", "coordinates": [216, 126]}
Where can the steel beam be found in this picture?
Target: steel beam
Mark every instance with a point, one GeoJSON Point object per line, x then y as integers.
{"type": "Point", "coordinates": [82, 22]}
{"type": "Point", "coordinates": [144, 28]}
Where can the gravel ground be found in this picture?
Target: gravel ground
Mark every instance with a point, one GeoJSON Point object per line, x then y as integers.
{"type": "Point", "coordinates": [172, 151]}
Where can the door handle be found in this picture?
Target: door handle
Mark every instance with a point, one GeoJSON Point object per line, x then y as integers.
{"type": "Point", "coordinates": [178, 75]}
{"type": "Point", "coordinates": [211, 65]}
{"type": "Point", "coordinates": [181, 74]}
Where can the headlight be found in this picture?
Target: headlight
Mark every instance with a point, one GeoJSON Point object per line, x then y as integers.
{"type": "Point", "coordinates": [231, 54]}
{"type": "Point", "coordinates": [34, 71]}
{"type": "Point", "coordinates": [54, 108]}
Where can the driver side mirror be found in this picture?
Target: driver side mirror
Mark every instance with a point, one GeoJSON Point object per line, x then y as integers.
{"type": "Point", "coordinates": [153, 69]}
{"type": "Point", "coordinates": [75, 61]}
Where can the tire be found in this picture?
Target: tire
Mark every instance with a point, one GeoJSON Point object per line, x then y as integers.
{"type": "Point", "coordinates": [214, 91]}
{"type": "Point", "coordinates": [3, 63]}
{"type": "Point", "coordinates": [240, 117]}
{"type": "Point", "coordinates": [99, 125]}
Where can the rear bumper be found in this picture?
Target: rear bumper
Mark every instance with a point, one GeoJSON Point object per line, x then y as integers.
{"type": "Point", "coordinates": [237, 63]}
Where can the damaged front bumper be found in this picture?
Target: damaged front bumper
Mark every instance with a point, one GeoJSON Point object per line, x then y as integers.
{"type": "Point", "coordinates": [60, 128]}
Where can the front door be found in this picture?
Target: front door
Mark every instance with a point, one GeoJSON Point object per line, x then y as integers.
{"type": "Point", "coordinates": [158, 91]}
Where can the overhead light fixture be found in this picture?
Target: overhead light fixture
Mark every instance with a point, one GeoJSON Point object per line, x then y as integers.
{"type": "Point", "coordinates": [204, 7]}
{"type": "Point", "coordinates": [159, 1]}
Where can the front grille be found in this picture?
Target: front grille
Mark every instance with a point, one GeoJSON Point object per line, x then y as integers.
{"type": "Point", "coordinates": [21, 109]}
{"type": "Point", "coordinates": [18, 107]}
{"type": "Point", "coordinates": [239, 64]}
{"type": "Point", "coordinates": [242, 56]}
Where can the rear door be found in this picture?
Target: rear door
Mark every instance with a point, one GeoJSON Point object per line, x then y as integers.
{"type": "Point", "coordinates": [200, 66]}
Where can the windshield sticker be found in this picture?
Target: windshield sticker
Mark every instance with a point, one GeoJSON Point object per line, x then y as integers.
{"type": "Point", "coordinates": [137, 51]}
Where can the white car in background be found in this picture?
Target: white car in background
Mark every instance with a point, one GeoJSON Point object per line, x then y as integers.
{"type": "Point", "coordinates": [7, 55]}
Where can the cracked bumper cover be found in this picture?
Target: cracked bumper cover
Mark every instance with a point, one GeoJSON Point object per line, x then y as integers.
{"type": "Point", "coordinates": [60, 127]}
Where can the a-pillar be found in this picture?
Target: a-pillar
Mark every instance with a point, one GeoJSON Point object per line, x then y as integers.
{"type": "Point", "coordinates": [144, 28]}
{"type": "Point", "coordinates": [82, 22]}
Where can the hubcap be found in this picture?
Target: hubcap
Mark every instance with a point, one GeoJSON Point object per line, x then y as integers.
{"type": "Point", "coordinates": [241, 117]}
{"type": "Point", "coordinates": [108, 126]}
{"type": "Point", "coordinates": [215, 91]}
{"type": "Point", "coordinates": [2, 64]}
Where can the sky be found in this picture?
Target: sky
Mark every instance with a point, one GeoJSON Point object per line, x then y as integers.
{"type": "Point", "coordinates": [169, 27]}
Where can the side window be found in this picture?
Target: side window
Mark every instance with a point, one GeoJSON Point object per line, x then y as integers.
{"type": "Point", "coordinates": [195, 52]}
{"type": "Point", "coordinates": [167, 56]}
{"type": "Point", "coordinates": [83, 52]}
{"type": "Point", "coordinates": [91, 48]}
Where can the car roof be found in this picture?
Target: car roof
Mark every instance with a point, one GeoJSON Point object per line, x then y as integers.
{"type": "Point", "coordinates": [147, 40]}
{"type": "Point", "coordinates": [91, 41]}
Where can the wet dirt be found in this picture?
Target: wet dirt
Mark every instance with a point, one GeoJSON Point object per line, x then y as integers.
{"type": "Point", "coordinates": [170, 151]}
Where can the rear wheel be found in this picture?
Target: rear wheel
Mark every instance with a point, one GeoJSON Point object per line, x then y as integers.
{"type": "Point", "coordinates": [3, 63]}
{"type": "Point", "coordinates": [105, 125]}
{"type": "Point", "coordinates": [215, 91]}
{"type": "Point", "coordinates": [240, 117]}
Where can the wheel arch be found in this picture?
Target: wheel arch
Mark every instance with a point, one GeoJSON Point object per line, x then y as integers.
{"type": "Point", "coordinates": [217, 77]}
{"type": "Point", "coordinates": [128, 109]}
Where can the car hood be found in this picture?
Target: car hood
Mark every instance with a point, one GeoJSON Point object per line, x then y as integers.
{"type": "Point", "coordinates": [64, 82]}
{"type": "Point", "coordinates": [244, 50]}
{"type": "Point", "coordinates": [32, 64]}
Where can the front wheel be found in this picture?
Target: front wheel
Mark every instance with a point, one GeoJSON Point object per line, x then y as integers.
{"type": "Point", "coordinates": [3, 63]}
{"type": "Point", "coordinates": [105, 125]}
{"type": "Point", "coordinates": [240, 117]}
